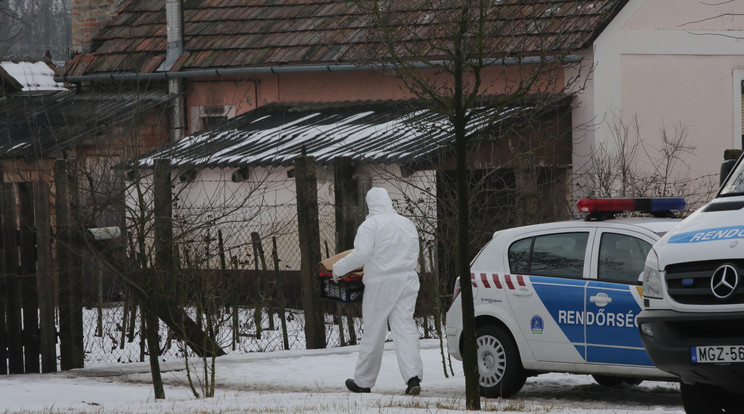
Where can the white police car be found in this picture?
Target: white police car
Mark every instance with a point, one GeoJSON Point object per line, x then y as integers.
{"type": "Point", "coordinates": [563, 297]}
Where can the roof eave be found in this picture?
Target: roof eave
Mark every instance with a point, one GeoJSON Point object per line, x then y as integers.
{"type": "Point", "coordinates": [295, 69]}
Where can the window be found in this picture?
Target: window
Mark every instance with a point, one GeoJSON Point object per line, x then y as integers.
{"type": "Point", "coordinates": [560, 255]}
{"type": "Point", "coordinates": [519, 256]}
{"type": "Point", "coordinates": [621, 258]}
{"type": "Point", "coordinates": [209, 122]}
{"type": "Point", "coordinates": [206, 117]}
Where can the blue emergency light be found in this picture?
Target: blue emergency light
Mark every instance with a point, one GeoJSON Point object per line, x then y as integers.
{"type": "Point", "coordinates": [656, 205]}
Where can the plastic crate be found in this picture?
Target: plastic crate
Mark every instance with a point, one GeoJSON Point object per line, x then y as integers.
{"type": "Point", "coordinates": [346, 291]}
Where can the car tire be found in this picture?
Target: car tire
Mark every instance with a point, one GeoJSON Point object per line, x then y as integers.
{"type": "Point", "coordinates": [608, 381]}
{"type": "Point", "coordinates": [499, 365]}
{"type": "Point", "coordinates": [632, 381]}
{"type": "Point", "coordinates": [708, 399]}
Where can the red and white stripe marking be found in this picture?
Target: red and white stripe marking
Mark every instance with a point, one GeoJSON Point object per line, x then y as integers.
{"type": "Point", "coordinates": [511, 282]}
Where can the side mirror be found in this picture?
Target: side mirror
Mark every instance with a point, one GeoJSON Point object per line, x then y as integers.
{"type": "Point", "coordinates": [726, 168]}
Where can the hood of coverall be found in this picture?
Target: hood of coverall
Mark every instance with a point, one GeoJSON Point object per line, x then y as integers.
{"type": "Point", "coordinates": [379, 202]}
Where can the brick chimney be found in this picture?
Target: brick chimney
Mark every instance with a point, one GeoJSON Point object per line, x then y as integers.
{"type": "Point", "coordinates": [88, 17]}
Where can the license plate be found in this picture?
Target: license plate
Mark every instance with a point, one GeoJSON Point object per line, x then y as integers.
{"type": "Point", "coordinates": [717, 354]}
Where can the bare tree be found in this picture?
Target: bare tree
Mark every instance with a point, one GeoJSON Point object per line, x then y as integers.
{"type": "Point", "coordinates": [629, 165]}
{"type": "Point", "coordinates": [442, 52]}
{"type": "Point", "coordinates": [33, 28]}
{"type": "Point", "coordinates": [160, 251]}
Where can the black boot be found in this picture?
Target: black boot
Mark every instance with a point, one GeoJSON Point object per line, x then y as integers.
{"type": "Point", "coordinates": [414, 386]}
{"type": "Point", "coordinates": [353, 387]}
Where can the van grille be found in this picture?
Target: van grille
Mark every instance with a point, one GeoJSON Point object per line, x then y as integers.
{"type": "Point", "coordinates": [689, 283]}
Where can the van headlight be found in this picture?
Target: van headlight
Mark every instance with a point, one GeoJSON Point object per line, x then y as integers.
{"type": "Point", "coordinates": [652, 283]}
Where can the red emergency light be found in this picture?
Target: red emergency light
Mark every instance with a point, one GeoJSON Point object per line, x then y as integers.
{"type": "Point", "coordinates": [662, 205]}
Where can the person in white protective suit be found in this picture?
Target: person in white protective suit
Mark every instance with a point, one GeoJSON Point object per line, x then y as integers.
{"type": "Point", "coordinates": [387, 244]}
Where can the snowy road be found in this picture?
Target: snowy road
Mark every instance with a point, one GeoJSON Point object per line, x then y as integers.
{"type": "Point", "coordinates": [311, 381]}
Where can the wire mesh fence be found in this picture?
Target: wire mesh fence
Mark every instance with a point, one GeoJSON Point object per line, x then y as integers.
{"type": "Point", "coordinates": [248, 274]}
{"type": "Point", "coordinates": [111, 337]}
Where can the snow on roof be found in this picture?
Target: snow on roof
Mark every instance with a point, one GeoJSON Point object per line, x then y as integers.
{"type": "Point", "coordinates": [372, 132]}
{"type": "Point", "coordinates": [33, 76]}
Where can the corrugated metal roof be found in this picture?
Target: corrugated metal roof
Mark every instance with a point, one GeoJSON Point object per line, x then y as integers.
{"type": "Point", "coordinates": [271, 33]}
{"type": "Point", "coordinates": [38, 126]}
{"type": "Point", "coordinates": [386, 132]}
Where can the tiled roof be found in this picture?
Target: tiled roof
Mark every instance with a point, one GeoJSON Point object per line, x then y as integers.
{"type": "Point", "coordinates": [381, 132]}
{"type": "Point", "coordinates": [38, 126]}
{"type": "Point", "coordinates": [239, 33]}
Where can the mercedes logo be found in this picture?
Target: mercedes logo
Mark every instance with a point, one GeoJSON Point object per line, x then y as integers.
{"type": "Point", "coordinates": [724, 281]}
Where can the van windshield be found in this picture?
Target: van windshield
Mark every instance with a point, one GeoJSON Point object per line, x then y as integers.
{"type": "Point", "coordinates": [735, 184]}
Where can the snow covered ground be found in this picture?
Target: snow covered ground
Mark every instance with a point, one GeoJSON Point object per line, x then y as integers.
{"type": "Point", "coordinates": [312, 381]}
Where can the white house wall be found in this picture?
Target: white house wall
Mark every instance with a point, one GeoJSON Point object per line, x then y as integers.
{"type": "Point", "coordinates": [671, 65]}
{"type": "Point", "coordinates": [266, 203]}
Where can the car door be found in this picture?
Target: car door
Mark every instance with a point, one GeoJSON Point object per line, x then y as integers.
{"type": "Point", "coordinates": [613, 299]}
{"type": "Point", "coordinates": [547, 293]}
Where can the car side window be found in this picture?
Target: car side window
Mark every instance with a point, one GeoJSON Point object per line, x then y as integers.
{"type": "Point", "coordinates": [560, 255]}
{"type": "Point", "coordinates": [621, 258]}
{"type": "Point", "coordinates": [519, 256]}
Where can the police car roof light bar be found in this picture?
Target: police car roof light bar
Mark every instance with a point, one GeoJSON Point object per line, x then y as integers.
{"type": "Point", "coordinates": [603, 208]}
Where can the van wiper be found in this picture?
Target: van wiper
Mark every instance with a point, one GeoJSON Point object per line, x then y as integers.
{"type": "Point", "coordinates": [731, 194]}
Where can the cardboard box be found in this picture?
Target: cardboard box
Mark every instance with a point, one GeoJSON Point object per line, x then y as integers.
{"type": "Point", "coordinates": [326, 267]}
{"type": "Point", "coordinates": [349, 289]}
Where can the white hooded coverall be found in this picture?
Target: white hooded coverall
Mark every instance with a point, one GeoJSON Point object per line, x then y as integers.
{"type": "Point", "coordinates": [387, 244]}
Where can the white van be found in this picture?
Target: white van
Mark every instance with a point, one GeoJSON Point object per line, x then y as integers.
{"type": "Point", "coordinates": [692, 324]}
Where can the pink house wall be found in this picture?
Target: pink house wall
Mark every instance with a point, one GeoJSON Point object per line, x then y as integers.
{"type": "Point", "coordinates": [660, 75]}
{"type": "Point", "coordinates": [242, 94]}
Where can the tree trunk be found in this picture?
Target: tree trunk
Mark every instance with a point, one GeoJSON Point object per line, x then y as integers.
{"type": "Point", "coordinates": [462, 261]}
{"type": "Point", "coordinates": [309, 229]}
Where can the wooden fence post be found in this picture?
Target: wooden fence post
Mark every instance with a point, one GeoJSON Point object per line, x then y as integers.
{"type": "Point", "coordinates": [257, 256]}
{"type": "Point", "coordinates": [346, 203]}
{"type": "Point", "coordinates": [27, 240]}
{"type": "Point", "coordinates": [69, 265]}
{"type": "Point", "coordinates": [3, 291]}
{"type": "Point", "coordinates": [280, 294]}
{"type": "Point", "coordinates": [44, 278]}
{"type": "Point", "coordinates": [349, 200]}
{"type": "Point", "coordinates": [13, 324]}
{"type": "Point", "coordinates": [309, 232]}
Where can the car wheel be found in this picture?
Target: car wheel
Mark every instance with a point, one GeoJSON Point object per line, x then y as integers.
{"type": "Point", "coordinates": [608, 381]}
{"type": "Point", "coordinates": [632, 381]}
{"type": "Point", "coordinates": [499, 366]}
{"type": "Point", "coordinates": [708, 399]}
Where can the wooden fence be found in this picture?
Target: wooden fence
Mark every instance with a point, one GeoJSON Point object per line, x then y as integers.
{"type": "Point", "coordinates": [28, 334]}
{"type": "Point", "coordinates": [41, 275]}
{"type": "Point", "coordinates": [42, 269]}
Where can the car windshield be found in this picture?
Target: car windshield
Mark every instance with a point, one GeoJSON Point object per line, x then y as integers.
{"type": "Point", "coordinates": [735, 184]}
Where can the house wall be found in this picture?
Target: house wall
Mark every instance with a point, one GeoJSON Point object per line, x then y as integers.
{"type": "Point", "coordinates": [266, 203]}
{"type": "Point", "coordinates": [675, 73]}
{"type": "Point", "coordinates": [241, 95]}
{"type": "Point", "coordinates": [268, 198]}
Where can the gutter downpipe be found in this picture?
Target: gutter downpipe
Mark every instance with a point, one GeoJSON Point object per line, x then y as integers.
{"type": "Point", "coordinates": [292, 69]}
{"type": "Point", "coordinates": [174, 19]}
